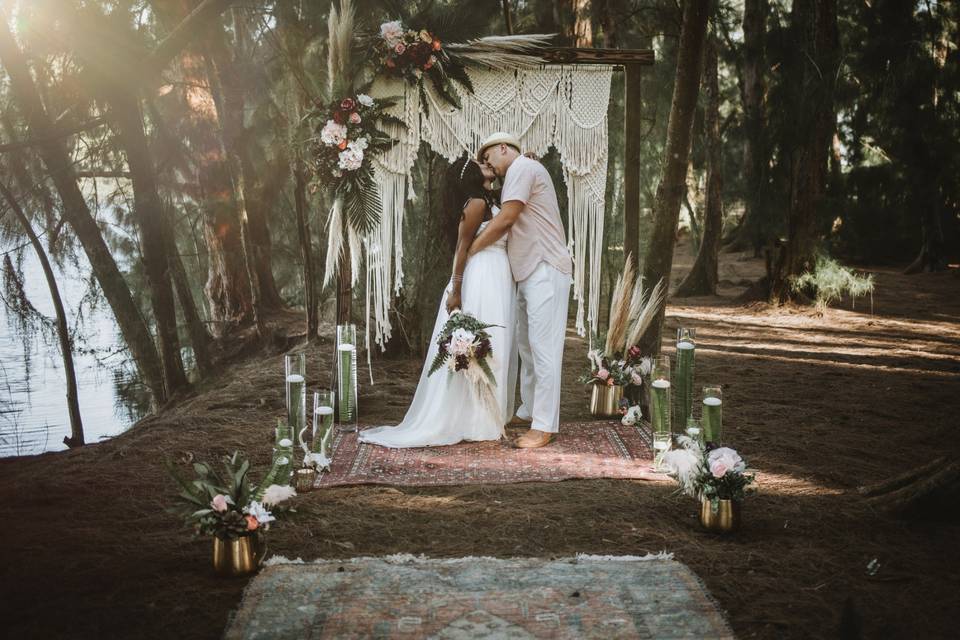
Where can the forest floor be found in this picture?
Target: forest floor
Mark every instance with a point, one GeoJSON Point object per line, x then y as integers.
{"type": "Point", "coordinates": [818, 404]}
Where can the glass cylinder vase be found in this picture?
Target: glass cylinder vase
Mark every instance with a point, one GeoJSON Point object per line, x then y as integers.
{"type": "Point", "coordinates": [295, 365]}
{"type": "Point", "coordinates": [712, 417]}
{"type": "Point", "coordinates": [683, 376]}
{"type": "Point", "coordinates": [660, 395]}
{"type": "Point", "coordinates": [323, 404]}
{"type": "Point", "coordinates": [283, 450]}
{"type": "Point", "coordinates": [347, 377]}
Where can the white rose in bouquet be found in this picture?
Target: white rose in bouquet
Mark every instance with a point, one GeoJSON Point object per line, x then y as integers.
{"type": "Point", "coordinates": [364, 99]}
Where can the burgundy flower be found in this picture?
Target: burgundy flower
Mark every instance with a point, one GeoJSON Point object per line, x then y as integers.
{"type": "Point", "coordinates": [461, 363]}
{"type": "Point", "coordinates": [348, 104]}
{"type": "Point", "coordinates": [340, 117]}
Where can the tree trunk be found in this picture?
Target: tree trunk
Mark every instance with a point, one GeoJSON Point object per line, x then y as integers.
{"type": "Point", "coordinates": [77, 213]}
{"type": "Point", "coordinates": [232, 72]}
{"type": "Point", "coordinates": [230, 105]}
{"type": "Point", "coordinates": [676, 154]}
{"type": "Point", "coordinates": [228, 291]}
{"type": "Point", "coordinates": [932, 256]}
{"type": "Point", "coordinates": [702, 279]}
{"type": "Point", "coordinates": [150, 217]}
{"type": "Point", "coordinates": [755, 152]}
{"type": "Point", "coordinates": [608, 25]}
{"type": "Point", "coordinates": [75, 439]}
{"type": "Point", "coordinates": [199, 336]}
{"type": "Point", "coordinates": [507, 18]}
{"type": "Point", "coordinates": [306, 249]}
{"type": "Point", "coordinates": [815, 23]}
{"type": "Point", "coordinates": [632, 125]}
{"type": "Point", "coordinates": [582, 27]}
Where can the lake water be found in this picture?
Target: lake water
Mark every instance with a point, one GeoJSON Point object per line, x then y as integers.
{"type": "Point", "coordinates": [33, 406]}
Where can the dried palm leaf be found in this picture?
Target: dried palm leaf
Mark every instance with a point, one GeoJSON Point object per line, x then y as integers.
{"type": "Point", "coordinates": [500, 52]}
{"type": "Point", "coordinates": [649, 307]}
{"type": "Point", "coordinates": [335, 241]}
{"type": "Point", "coordinates": [619, 311]}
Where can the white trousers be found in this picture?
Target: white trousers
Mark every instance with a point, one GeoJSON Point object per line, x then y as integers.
{"type": "Point", "coordinates": [541, 328]}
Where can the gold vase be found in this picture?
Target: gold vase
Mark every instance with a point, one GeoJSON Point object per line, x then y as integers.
{"type": "Point", "coordinates": [237, 557]}
{"type": "Point", "coordinates": [724, 520]}
{"type": "Point", "coordinates": [605, 400]}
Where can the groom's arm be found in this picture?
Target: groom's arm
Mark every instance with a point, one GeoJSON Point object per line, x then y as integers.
{"type": "Point", "coordinates": [497, 227]}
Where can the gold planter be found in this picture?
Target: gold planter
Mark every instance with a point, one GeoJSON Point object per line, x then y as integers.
{"type": "Point", "coordinates": [605, 400]}
{"type": "Point", "coordinates": [237, 557]}
{"type": "Point", "coordinates": [724, 520]}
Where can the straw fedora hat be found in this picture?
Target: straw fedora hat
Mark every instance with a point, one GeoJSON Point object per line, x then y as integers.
{"type": "Point", "coordinates": [500, 137]}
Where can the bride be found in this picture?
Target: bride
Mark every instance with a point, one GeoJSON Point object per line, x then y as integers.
{"type": "Point", "coordinates": [445, 408]}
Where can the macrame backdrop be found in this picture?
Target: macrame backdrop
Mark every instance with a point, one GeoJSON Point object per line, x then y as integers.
{"type": "Point", "coordinates": [564, 107]}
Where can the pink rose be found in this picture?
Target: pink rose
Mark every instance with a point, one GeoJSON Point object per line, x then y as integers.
{"type": "Point", "coordinates": [219, 503]}
{"type": "Point", "coordinates": [354, 118]}
{"type": "Point", "coordinates": [400, 48]}
{"type": "Point", "coordinates": [719, 468]}
{"type": "Point", "coordinates": [603, 374]}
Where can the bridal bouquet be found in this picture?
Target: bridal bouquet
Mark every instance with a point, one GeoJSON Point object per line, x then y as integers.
{"type": "Point", "coordinates": [464, 346]}
{"type": "Point", "coordinates": [713, 475]}
{"type": "Point", "coordinates": [229, 506]}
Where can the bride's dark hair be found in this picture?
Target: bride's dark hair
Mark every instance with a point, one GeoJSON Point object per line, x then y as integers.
{"type": "Point", "coordinates": [464, 180]}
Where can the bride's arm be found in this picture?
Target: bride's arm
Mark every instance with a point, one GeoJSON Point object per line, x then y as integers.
{"type": "Point", "coordinates": [472, 218]}
{"type": "Point", "coordinates": [500, 224]}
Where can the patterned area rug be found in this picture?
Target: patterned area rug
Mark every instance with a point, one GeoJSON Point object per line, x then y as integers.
{"type": "Point", "coordinates": [582, 450]}
{"type": "Point", "coordinates": [407, 597]}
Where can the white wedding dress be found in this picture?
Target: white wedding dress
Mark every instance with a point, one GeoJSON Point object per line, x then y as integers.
{"type": "Point", "coordinates": [445, 409]}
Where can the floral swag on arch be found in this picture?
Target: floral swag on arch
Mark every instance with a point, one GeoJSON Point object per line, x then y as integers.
{"type": "Point", "coordinates": [452, 96]}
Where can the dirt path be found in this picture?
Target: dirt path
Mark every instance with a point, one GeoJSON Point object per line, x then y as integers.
{"type": "Point", "coordinates": [818, 405]}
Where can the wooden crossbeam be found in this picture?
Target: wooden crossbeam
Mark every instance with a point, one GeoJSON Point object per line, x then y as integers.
{"type": "Point", "coordinates": [586, 55]}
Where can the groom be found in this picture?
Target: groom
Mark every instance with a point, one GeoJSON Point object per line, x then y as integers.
{"type": "Point", "coordinates": [542, 267]}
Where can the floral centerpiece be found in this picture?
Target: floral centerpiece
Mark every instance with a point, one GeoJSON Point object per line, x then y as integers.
{"type": "Point", "coordinates": [412, 54]}
{"type": "Point", "coordinates": [717, 477]}
{"type": "Point", "coordinates": [464, 346]}
{"type": "Point", "coordinates": [620, 365]}
{"type": "Point", "coordinates": [230, 508]}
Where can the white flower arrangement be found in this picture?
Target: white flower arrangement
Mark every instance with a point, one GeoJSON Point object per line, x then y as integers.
{"type": "Point", "coordinates": [718, 474]}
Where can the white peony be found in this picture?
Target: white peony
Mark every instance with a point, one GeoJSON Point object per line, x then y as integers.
{"type": "Point", "coordinates": [351, 158]}
{"type": "Point", "coordinates": [392, 32]}
{"type": "Point", "coordinates": [258, 511]}
{"type": "Point", "coordinates": [725, 459]}
{"type": "Point", "coordinates": [364, 99]}
{"type": "Point", "coordinates": [359, 143]}
{"type": "Point", "coordinates": [333, 133]}
{"type": "Point", "coordinates": [275, 494]}
{"type": "Point", "coordinates": [461, 342]}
